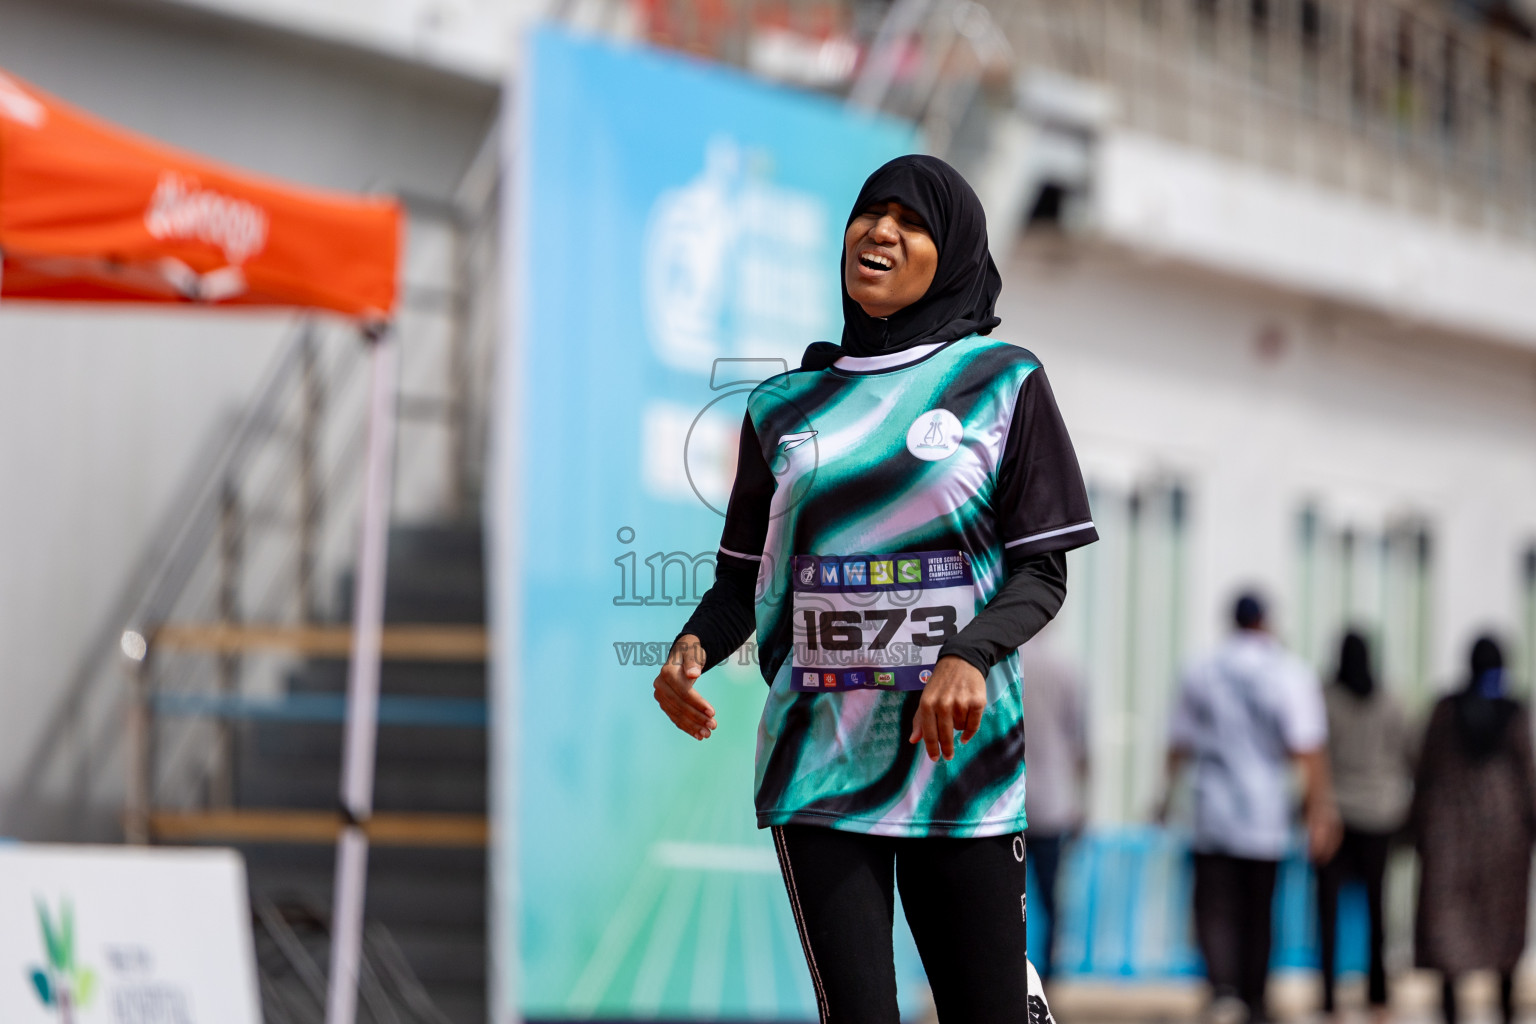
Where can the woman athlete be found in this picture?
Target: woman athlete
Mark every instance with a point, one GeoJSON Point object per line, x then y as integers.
{"type": "Point", "coordinates": [897, 528]}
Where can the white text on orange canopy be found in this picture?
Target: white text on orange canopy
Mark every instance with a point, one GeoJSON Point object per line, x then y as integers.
{"type": "Point", "coordinates": [182, 209]}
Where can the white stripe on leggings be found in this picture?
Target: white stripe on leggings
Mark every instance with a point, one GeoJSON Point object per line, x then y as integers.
{"type": "Point", "coordinates": [794, 904]}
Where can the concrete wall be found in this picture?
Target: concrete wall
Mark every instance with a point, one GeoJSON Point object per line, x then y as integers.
{"type": "Point", "coordinates": [102, 410]}
{"type": "Point", "coordinates": [472, 37]}
{"type": "Point", "coordinates": [1260, 401]}
{"type": "Point", "coordinates": [1210, 210]}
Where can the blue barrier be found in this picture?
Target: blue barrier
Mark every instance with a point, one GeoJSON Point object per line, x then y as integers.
{"type": "Point", "coordinates": [1125, 898]}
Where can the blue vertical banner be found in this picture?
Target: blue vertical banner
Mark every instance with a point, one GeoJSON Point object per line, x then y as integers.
{"type": "Point", "coordinates": [675, 237]}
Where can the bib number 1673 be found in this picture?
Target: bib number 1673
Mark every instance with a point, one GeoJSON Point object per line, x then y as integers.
{"type": "Point", "coordinates": [844, 630]}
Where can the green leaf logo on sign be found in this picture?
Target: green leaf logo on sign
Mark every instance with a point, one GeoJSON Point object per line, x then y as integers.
{"type": "Point", "coordinates": [61, 983]}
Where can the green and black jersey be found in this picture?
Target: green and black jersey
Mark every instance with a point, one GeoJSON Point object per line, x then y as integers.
{"type": "Point", "coordinates": [881, 501]}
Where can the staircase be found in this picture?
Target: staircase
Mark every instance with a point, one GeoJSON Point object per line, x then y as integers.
{"type": "Point", "coordinates": [430, 895]}
{"type": "Point", "coordinates": [427, 870]}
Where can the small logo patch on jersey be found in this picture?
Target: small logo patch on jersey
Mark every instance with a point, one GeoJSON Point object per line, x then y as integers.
{"type": "Point", "coordinates": [935, 435]}
{"type": "Point", "coordinates": [789, 442]}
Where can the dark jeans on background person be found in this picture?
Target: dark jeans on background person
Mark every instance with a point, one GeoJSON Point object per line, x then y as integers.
{"type": "Point", "coordinates": [963, 898]}
{"type": "Point", "coordinates": [1361, 855]}
{"type": "Point", "coordinates": [1044, 855]}
{"type": "Point", "coordinates": [1234, 899]}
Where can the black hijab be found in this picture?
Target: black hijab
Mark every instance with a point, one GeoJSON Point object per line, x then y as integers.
{"type": "Point", "coordinates": [1482, 711]}
{"type": "Point", "coordinates": [1355, 666]}
{"type": "Point", "coordinates": [965, 283]}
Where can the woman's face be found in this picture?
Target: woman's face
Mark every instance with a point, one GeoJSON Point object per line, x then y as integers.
{"type": "Point", "coordinates": [888, 258]}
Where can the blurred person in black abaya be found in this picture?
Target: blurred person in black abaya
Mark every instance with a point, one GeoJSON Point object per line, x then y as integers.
{"type": "Point", "coordinates": [1370, 752]}
{"type": "Point", "coordinates": [1474, 820]}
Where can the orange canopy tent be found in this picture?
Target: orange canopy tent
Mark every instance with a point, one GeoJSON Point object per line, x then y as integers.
{"type": "Point", "coordinates": [89, 212]}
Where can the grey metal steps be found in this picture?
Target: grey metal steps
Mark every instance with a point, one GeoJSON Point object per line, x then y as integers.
{"type": "Point", "coordinates": [434, 574]}
{"type": "Point", "coordinates": [397, 788]}
{"type": "Point", "coordinates": [432, 900]}
{"type": "Point", "coordinates": [264, 742]}
{"type": "Point", "coordinates": [406, 888]}
{"type": "Point", "coordinates": [403, 678]}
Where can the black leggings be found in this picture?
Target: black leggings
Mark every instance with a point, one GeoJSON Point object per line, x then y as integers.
{"type": "Point", "coordinates": [1362, 855]}
{"type": "Point", "coordinates": [964, 900]}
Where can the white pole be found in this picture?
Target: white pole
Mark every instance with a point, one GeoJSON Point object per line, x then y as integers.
{"type": "Point", "coordinates": [363, 686]}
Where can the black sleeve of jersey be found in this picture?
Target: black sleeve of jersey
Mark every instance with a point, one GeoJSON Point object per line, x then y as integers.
{"type": "Point", "coordinates": [1040, 501]}
{"type": "Point", "coordinates": [726, 614]}
{"type": "Point", "coordinates": [1028, 599]}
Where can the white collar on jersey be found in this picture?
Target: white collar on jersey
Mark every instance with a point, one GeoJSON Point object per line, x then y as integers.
{"type": "Point", "coordinates": [890, 361]}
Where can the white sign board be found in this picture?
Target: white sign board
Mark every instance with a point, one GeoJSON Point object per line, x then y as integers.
{"type": "Point", "coordinates": [125, 935]}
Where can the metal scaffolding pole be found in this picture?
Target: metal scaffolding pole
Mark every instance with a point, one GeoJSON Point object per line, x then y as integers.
{"type": "Point", "coordinates": [362, 724]}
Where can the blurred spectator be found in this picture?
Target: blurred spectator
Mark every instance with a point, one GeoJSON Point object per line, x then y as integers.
{"type": "Point", "coordinates": [1245, 715]}
{"type": "Point", "coordinates": [1055, 735]}
{"type": "Point", "coordinates": [1474, 818]}
{"type": "Point", "coordinates": [1370, 754]}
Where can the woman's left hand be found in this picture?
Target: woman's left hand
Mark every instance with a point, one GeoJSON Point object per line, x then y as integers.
{"type": "Point", "coordinates": [953, 701]}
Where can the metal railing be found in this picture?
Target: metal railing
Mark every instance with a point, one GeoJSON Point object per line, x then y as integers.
{"type": "Point", "coordinates": [83, 733]}
{"type": "Point", "coordinates": [293, 982]}
{"type": "Point", "coordinates": [1396, 101]}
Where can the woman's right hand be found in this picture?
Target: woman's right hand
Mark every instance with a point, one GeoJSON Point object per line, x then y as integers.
{"type": "Point", "coordinates": [683, 704]}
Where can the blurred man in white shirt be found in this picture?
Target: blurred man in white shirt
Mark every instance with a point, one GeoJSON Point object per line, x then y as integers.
{"type": "Point", "coordinates": [1246, 715]}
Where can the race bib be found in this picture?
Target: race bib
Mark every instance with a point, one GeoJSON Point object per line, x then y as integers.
{"type": "Point", "coordinates": [876, 621]}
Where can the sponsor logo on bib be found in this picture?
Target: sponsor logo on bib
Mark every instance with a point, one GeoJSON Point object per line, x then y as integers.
{"type": "Point", "coordinates": [909, 570]}
{"type": "Point", "coordinates": [935, 435]}
{"type": "Point", "coordinates": [808, 572]}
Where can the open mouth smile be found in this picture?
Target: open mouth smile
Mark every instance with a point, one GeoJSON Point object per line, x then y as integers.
{"type": "Point", "coordinates": [875, 264]}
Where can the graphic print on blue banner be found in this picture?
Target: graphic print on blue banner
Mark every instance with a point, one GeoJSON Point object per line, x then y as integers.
{"type": "Point", "coordinates": [676, 222]}
{"type": "Point", "coordinates": [862, 629]}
